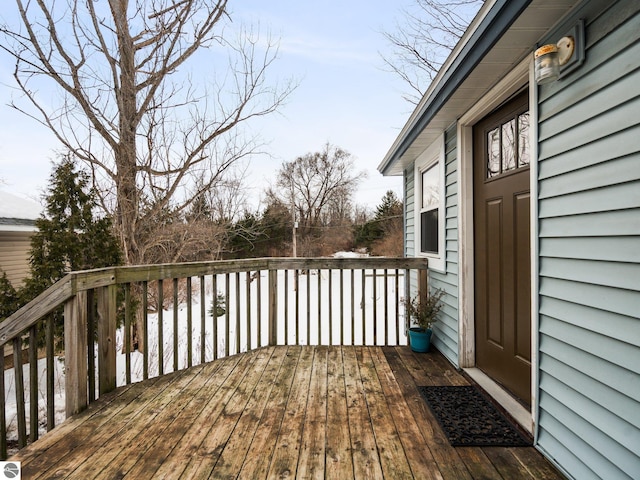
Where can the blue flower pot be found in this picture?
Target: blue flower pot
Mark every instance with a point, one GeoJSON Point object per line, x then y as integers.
{"type": "Point", "coordinates": [420, 339]}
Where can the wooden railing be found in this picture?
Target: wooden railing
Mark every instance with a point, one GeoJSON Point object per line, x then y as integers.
{"type": "Point", "coordinates": [182, 315]}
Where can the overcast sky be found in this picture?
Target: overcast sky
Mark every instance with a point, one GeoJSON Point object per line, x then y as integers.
{"type": "Point", "coordinates": [345, 96]}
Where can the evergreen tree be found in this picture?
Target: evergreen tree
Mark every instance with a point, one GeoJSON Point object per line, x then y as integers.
{"type": "Point", "coordinates": [386, 222]}
{"type": "Point", "coordinates": [9, 298]}
{"type": "Point", "coordinates": [244, 237]}
{"type": "Point", "coordinates": [277, 225]}
{"type": "Point", "coordinates": [69, 237]}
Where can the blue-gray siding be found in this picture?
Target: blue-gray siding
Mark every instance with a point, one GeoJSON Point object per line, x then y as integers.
{"type": "Point", "coordinates": [446, 330]}
{"type": "Point", "coordinates": [589, 246]}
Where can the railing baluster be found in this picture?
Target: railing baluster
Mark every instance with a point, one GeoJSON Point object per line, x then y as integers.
{"type": "Point", "coordinates": [3, 410]}
{"type": "Point", "coordinates": [273, 307]}
{"type": "Point", "coordinates": [319, 281]}
{"type": "Point", "coordinates": [203, 320]}
{"type": "Point", "coordinates": [51, 422]}
{"type": "Point", "coordinates": [405, 326]}
{"type": "Point", "coordinates": [175, 324]}
{"type": "Point", "coordinates": [386, 307]}
{"type": "Point", "coordinates": [160, 310]}
{"type": "Point", "coordinates": [19, 382]}
{"type": "Point", "coordinates": [33, 384]}
{"type": "Point", "coordinates": [259, 294]}
{"type": "Point", "coordinates": [363, 307]}
{"type": "Point", "coordinates": [353, 308]}
{"type": "Point", "coordinates": [308, 306]}
{"type": "Point", "coordinates": [375, 307]}
{"type": "Point", "coordinates": [127, 332]}
{"type": "Point", "coordinates": [227, 315]}
{"type": "Point", "coordinates": [189, 324]}
{"type": "Point", "coordinates": [296, 285]}
{"type": "Point", "coordinates": [342, 322]}
{"type": "Point", "coordinates": [92, 331]}
{"type": "Point", "coordinates": [286, 307]}
{"type": "Point", "coordinates": [237, 293]}
{"type": "Point", "coordinates": [397, 307]}
{"type": "Point", "coordinates": [330, 306]}
{"type": "Point", "coordinates": [145, 327]}
{"type": "Point", "coordinates": [248, 306]}
{"type": "Point", "coordinates": [214, 309]}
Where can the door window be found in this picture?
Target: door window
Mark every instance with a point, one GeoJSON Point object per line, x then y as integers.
{"type": "Point", "coordinates": [508, 146]}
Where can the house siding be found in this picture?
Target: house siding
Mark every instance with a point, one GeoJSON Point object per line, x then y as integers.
{"type": "Point", "coordinates": [409, 205]}
{"type": "Point", "coordinates": [589, 254]}
{"type": "Point", "coordinates": [14, 255]}
{"type": "Point", "coordinates": [445, 337]}
{"type": "Point", "coordinates": [446, 330]}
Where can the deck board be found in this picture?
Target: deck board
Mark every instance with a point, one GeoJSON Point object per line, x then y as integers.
{"type": "Point", "coordinates": [338, 459]}
{"type": "Point", "coordinates": [364, 449]}
{"type": "Point", "coordinates": [312, 449]}
{"type": "Point", "coordinates": [392, 456]}
{"type": "Point", "coordinates": [277, 412]}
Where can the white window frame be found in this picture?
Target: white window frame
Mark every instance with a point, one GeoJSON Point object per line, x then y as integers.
{"type": "Point", "coordinates": [433, 155]}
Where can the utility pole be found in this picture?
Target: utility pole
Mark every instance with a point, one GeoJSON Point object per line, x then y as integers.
{"type": "Point", "coordinates": [295, 251]}
{"type": "Point", "coordinates": [295, 239]}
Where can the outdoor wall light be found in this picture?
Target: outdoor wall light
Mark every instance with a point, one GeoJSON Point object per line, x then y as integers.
{"type": "Point", "coordinates": [567, 53]}
{"type": "Point", "coordinates": [548, 59]}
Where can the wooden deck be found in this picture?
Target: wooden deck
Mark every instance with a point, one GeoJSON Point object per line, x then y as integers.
{"type": "Point", "coordinates": [277, 412]}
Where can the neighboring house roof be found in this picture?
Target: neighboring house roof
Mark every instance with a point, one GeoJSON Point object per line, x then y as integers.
{"type": "Point", "coordinates": [501, 35]}
{"type": "Point", "coordinates": [18, 213]}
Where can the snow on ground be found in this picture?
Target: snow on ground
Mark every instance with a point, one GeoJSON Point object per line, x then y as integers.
{"type": "Point", "coordinates": [313, 328]}
{"type": "Point", "coordinates": [350, 254]}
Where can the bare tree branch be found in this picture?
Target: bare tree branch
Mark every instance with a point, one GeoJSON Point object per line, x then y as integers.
{"type": "Point", "coordinates": [317, 185]}
{"type": "Point", "coordinates": [423, 40]}
{"type": "Point", "coordinates": [151, 137]}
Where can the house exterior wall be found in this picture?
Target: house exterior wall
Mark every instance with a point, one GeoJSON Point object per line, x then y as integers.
{"type": "Point", "coordinates": [589, 252]}
{"type": "Point", "coordinates": [445, 336]}
{"type": "Point", "coordinates": [14, 255]}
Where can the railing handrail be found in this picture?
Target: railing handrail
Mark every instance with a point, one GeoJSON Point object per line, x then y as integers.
{"type": "Point", "coordinates": [29, 314]}
{"type": "Point", "coordinates": [74, 282]}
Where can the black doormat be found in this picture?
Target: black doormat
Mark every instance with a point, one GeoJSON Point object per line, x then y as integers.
{"type": "Point", "coordinates": [469, 419]}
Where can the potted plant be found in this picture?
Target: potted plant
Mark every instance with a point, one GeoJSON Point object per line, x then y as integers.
{"type": "Point", "coordinates": [423, 316]}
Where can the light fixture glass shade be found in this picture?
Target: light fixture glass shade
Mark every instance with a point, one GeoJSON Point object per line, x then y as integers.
{"type": "Point", "coordinates": [546, 64]}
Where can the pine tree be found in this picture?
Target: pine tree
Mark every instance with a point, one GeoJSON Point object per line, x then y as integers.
{"type": "Point", "coordinates": [69, 236]}
{"type": "Point", "coordinates": [9, 298]}
{"type": "Point", "coordinates": [386, 221]}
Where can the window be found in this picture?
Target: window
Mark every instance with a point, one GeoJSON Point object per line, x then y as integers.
{"type": "Point", "coordinates": [508, 146]}
{"type": "Point", "coordinates": [429, 205]}
{"type": "Point", "coordinates": [429, 209]}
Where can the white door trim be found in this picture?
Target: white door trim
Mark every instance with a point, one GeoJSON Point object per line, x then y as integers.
{"type": "Point", "coordinates": [511, 84]}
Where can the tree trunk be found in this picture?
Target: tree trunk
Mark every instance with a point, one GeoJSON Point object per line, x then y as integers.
{"type": "Point", "coordinates": [125, 153]}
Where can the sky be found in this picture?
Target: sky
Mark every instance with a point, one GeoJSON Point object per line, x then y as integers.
{"type": "Point", "coordinates": [344, 97]}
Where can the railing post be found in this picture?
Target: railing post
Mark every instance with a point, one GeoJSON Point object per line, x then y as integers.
{"type": "Point", "coordinates": [106, 338]}
{"type": "Point", "coordinates": [273, 307]}
{"type": "Point", "coordinates": [75, 354]}
{"type": "Point", "coordinates": [423, 285]}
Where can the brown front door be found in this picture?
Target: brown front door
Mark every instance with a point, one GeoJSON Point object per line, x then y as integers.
{"type": "Point", "coordinates": [502, 247]}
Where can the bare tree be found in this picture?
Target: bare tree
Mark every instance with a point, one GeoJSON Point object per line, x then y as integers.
{"type": "Point", "coordinates": [153, 138]}
{"type": "Point", "coordinates": [317, 186]}
{"type": "Point", "coordinates": [424, 38]}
